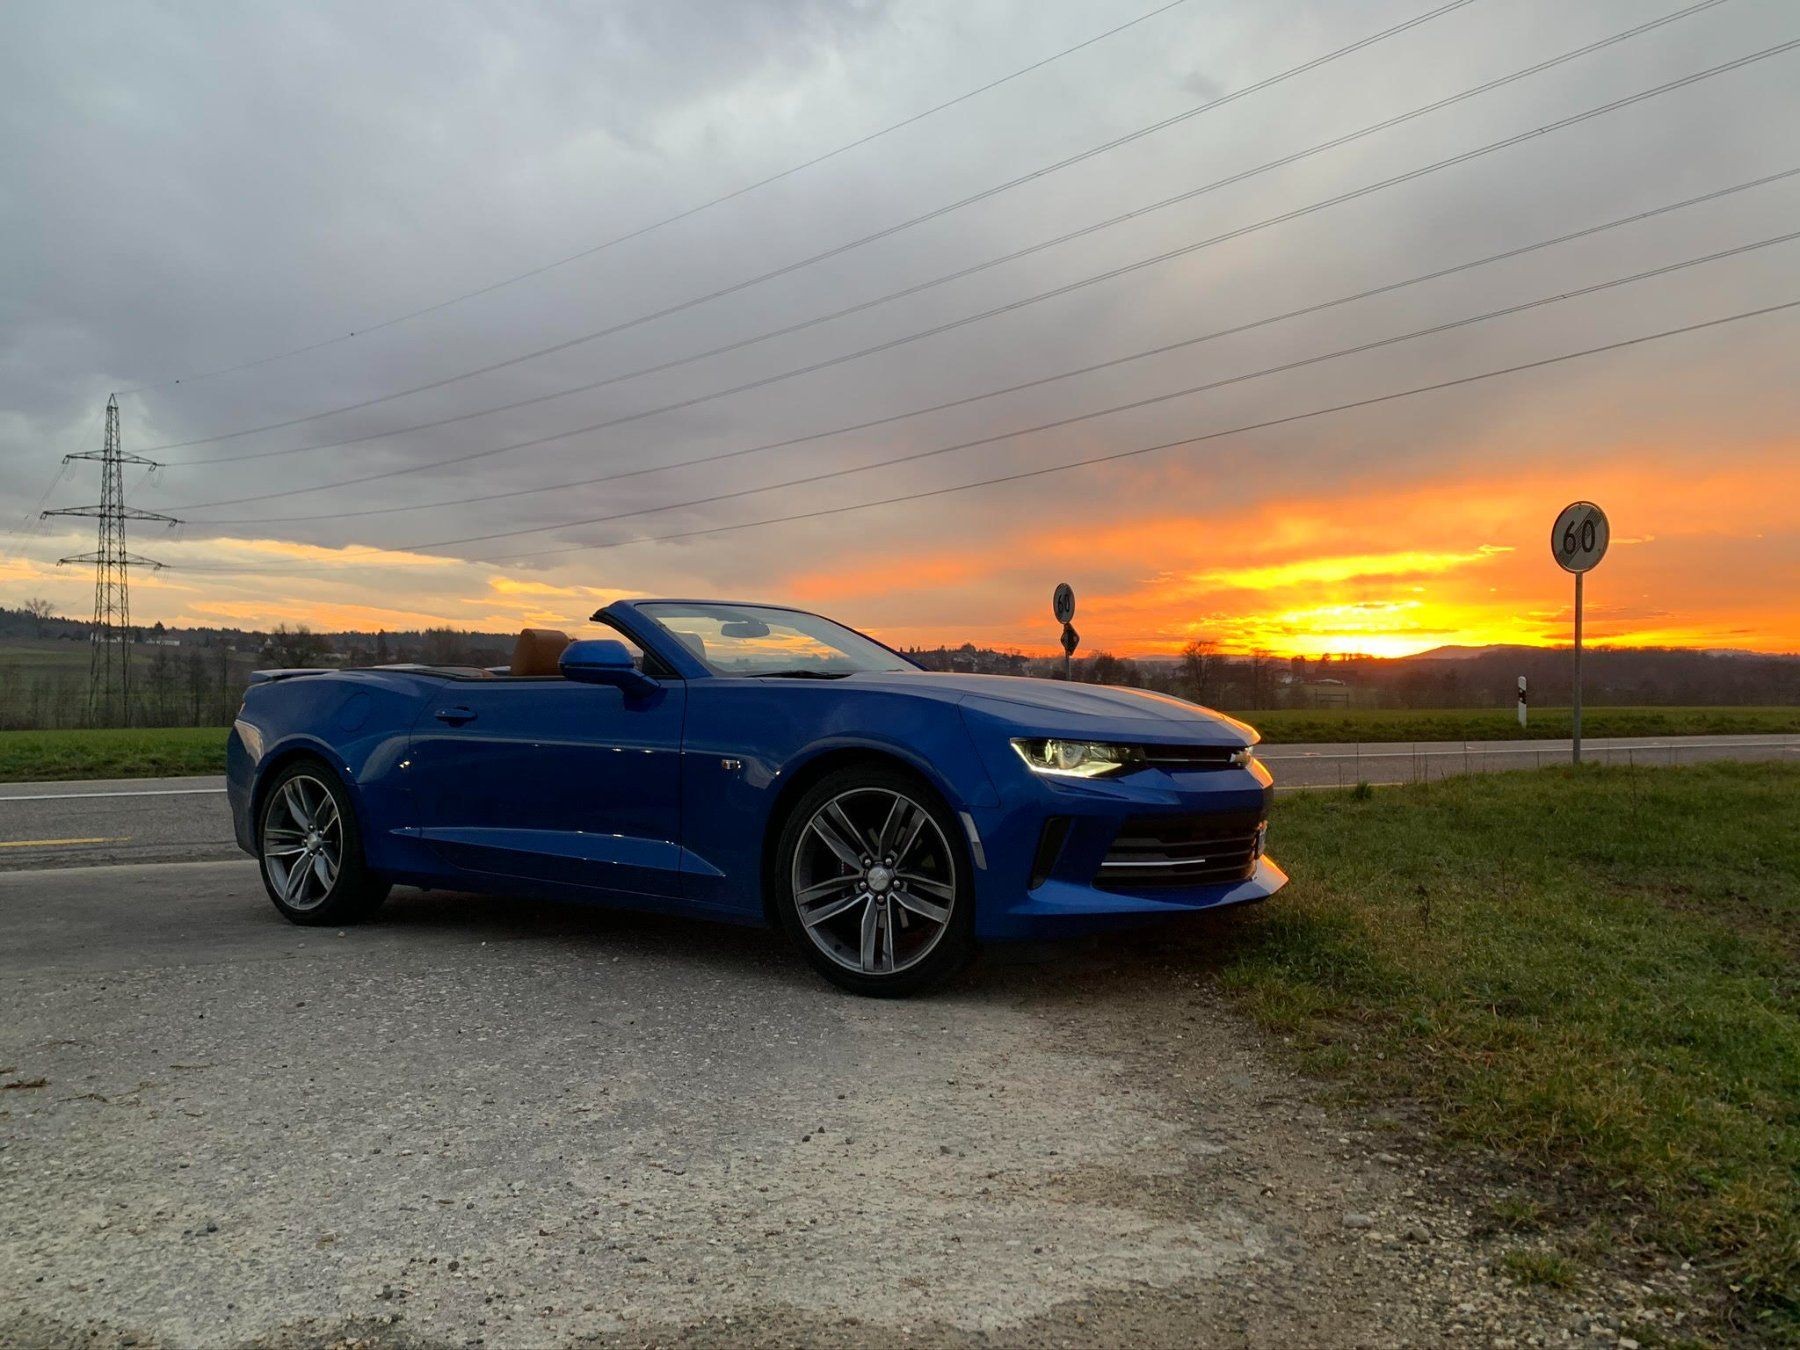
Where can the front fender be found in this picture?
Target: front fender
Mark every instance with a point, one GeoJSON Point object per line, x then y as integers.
{"type": "Point", "coordinates": [751, 748]}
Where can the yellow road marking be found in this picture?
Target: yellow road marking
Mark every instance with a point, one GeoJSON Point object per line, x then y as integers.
{"type": "Point", "coordinates": [53, 843]}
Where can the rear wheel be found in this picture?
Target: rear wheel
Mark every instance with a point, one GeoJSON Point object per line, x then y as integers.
{"type": "Point", "coordinates": [872, 883]}
{"type": "Point", "coordinates": [311, 851]}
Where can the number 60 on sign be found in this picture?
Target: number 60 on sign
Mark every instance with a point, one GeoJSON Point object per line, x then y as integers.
{"type": "Point", "coordinates": [1578, 539]}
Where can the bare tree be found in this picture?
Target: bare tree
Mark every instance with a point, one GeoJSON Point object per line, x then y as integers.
{"type": "Point", "coordinates": [293, 647]}
{"type": "Point", "coordinates": [1101, 668]}
{"type": "Point", "coordinates": [161, 690]}
{"type": "Point", "coordinates": [222, 656]}
{"type": "Point", "coordinates": [1262, 679]}
{"type": "Point", "coordinates": [196, 684]}
{"type": "Point", "coordinates": [41, 611]}
{"type": "Point", "coordinates": [1200, 668]}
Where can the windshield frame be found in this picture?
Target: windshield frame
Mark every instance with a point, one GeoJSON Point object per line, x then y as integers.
{"type": "Point", "coordinates": [659, 614]}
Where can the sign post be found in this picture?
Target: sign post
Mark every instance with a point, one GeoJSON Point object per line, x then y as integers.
{"type": "Point", "coordinates": [1521, 701]}
{"type": "Point", "coordinates": [1578, 541]}
{"type": "Point", "coordinates": [1062, 605]}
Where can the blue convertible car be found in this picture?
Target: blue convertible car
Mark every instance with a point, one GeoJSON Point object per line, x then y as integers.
{"type": "Point", "coordinates": [758, 764]}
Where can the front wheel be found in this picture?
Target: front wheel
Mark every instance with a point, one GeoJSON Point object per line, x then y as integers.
{"type": "Point", "coordinates": [873, 885]}
{"type": "Point", "coordinates": [311, 852]}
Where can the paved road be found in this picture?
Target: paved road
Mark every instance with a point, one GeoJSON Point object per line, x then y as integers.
{"type": "Point", "coordinates": [184, 819]}
{"type": "Point", "coordinates": [113, 820]}
{"type": "Point", "coordinates": [483, 1121]}
{"type": "Point", "coordinates": [1314, 766]}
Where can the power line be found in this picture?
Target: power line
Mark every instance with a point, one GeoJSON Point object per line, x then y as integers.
{"type": "Point", "coordinates": [840, 249]}
{"type": "Point", "coordinates": [916, 456]}
{"type": "Point", "coordinates": [917, 288]}
{"type": "Point", "coordinates": [1163, 349]}
{"type": "Point", "coordinates": [1167, 445]}
{"type": "Point", "coordinates": [1285, 367]}
{"type": "Point", "coordinates": [1116, 455]}
{"type": "Point", "coordinates": [643, 230]}
{"type": "Point", "coordinates": [31, 523]}
{"type": "Point", "coordinates": [1182, 251]}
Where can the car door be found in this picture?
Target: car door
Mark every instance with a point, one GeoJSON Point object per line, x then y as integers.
{"type": "Point", "coordinates": [551, 780]}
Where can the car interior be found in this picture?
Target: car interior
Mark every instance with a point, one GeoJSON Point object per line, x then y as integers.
{"type": "Point", "coordinates": [537, 655]}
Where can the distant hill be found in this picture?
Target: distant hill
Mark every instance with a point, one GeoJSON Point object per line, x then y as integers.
{"type": "Point", "coordinates": [1465, 653]}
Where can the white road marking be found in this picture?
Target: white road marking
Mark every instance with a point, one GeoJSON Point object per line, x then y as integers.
{"type": "Point", "coordinates": [79, 796]}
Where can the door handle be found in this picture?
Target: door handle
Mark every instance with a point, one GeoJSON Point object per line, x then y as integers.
{"type": "Point", "coordinates": [455, 716]}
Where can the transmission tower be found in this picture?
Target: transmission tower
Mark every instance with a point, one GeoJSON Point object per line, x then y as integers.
{"type": "Point", "coordinates": [109, 675]}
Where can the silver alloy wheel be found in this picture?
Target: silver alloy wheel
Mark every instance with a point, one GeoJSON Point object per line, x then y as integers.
{"type": "Point", "coordinates": [874, 881]}
{"type": "Point", "coordinates": [302, 842]}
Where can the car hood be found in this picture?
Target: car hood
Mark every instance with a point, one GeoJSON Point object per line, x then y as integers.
{"type": "Point", "coordinates": [1052, 707]}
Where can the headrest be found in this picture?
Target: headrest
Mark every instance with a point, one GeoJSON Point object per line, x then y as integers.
{"type": "Point", "coordinates": [694, 643]}
{"type": "Point", "coordinates": [538, 651]}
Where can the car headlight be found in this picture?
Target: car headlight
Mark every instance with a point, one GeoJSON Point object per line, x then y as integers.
{"type": "Point", "coordinates": [1078, 759]}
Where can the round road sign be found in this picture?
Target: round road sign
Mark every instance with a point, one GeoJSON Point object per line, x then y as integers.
{"type": "Point", "coordinates": [1062, 604]}
{"type": "Point", "coordinates": [1579, 537]}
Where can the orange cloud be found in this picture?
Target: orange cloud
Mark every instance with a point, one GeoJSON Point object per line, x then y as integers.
{"type": "Point", "coordinates": [1315, 574]}
{"type": "Point", "coordinates": [1275, 576]}
{"type": "Point", "coordinates": [1706, 552]}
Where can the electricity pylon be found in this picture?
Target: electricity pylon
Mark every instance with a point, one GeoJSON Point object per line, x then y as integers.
{"type": "Point", "coordinates": [109, 674]}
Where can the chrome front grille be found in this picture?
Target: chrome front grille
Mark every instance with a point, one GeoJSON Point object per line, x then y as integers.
{"type": "Point", "coordinates": [1189, 758]}
{"type": "Point", "coordinates": [1203, 850]}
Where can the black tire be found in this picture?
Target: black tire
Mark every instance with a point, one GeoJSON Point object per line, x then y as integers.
{"type": "Point", "coordinates": [878, 923]}
{"type": "Point", "coordinates": [305, 823]}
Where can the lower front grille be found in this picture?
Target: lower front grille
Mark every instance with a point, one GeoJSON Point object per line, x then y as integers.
{"type": "Point", "coordinates": [1183, 850]}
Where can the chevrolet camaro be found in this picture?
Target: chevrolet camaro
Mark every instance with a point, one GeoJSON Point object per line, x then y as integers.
{"type": "Point", "coordinates": [755, 764]}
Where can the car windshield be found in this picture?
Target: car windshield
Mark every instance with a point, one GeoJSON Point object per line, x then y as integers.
{"type": "Point", "coordinates": [754, 640]}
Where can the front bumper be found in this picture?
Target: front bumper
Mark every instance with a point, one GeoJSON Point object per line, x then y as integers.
{"type": "Point", "coordinates": [1067, 909]}
{"type": "Point", "coordinates": [1030, 891]}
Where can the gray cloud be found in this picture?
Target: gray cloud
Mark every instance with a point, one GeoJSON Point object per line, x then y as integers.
{"type": "Point", "coordinates": [195, 185]}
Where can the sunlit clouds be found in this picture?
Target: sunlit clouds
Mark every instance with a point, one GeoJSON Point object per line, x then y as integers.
{"type": "Point", "coordinates": [1349, 475]}
{"type": "Point", "coordinates": [1310, 579]}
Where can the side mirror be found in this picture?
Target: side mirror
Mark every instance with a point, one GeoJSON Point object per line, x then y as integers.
{"type": "Point", "coordinates": [605, 661]}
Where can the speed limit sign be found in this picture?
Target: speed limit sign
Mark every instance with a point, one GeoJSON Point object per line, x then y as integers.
{"type": "Point", "coordinates": [1579, 537]}
{"type": "Point", "coordinates": [1578, 542]}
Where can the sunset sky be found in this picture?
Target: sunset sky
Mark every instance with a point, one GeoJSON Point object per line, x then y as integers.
{"type": "Point", "coordinates": [192, 190]}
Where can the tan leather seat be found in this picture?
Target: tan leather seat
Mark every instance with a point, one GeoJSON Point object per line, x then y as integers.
{"type": "Point", "coordinates": [538, 652]}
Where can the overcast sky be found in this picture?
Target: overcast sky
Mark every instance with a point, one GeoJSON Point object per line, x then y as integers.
{"type": "Point", "coordinates": [196, 186]}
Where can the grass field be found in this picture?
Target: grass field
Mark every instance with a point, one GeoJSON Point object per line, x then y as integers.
{"type": "Point", "coordinates": [113, 753]}
{"type": "Point", "coordinates": [1592, 972]}
{"type": "Point", "coordinates": [1292, 726]}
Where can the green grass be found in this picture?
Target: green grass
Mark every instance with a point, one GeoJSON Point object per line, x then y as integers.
{"type": "Point", "coordinates": [1595, 973]}
{"type": "Point", "coordinates": [116, 753]}
{"type": "Point", "coordinates": [1292, 726]}
{"type": "Point", "coordinates": [1533, 1265]}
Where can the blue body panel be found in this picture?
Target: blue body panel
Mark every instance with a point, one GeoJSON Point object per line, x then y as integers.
{"type": "Point", "coordinates": [670, 801]}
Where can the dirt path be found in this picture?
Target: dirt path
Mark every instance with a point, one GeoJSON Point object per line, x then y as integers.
{"type": "Point", "coordinates": [482, 1122]}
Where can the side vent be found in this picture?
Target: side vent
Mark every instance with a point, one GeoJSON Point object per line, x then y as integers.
{"type": "Point", "coordinates": [1049, 849]}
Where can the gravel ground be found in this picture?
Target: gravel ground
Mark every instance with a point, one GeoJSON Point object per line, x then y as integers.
{"type": "Point", "coordinates": [481, 1121]}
